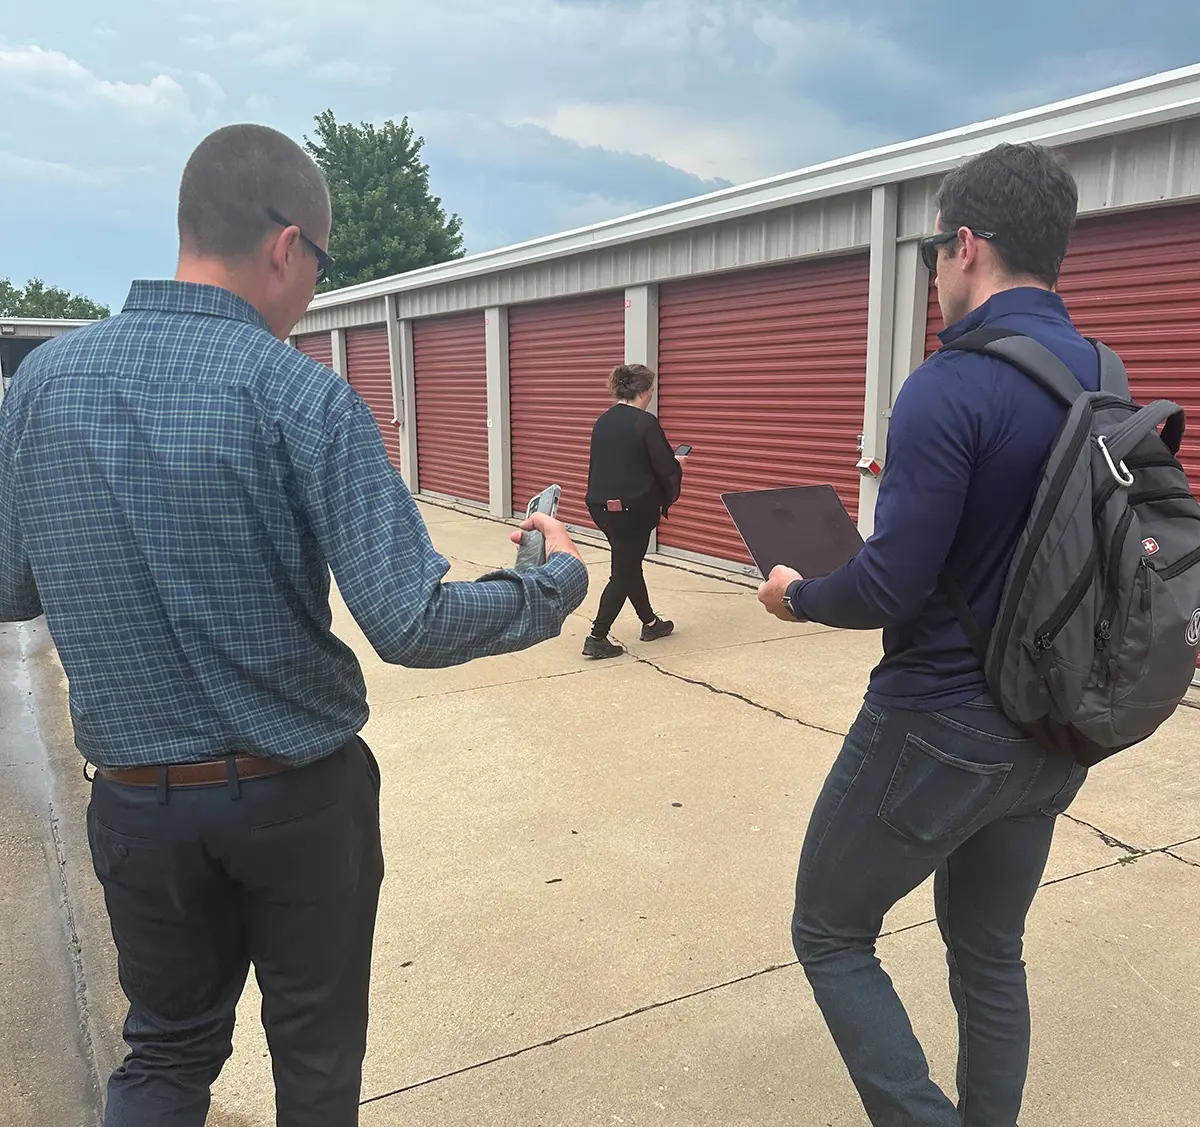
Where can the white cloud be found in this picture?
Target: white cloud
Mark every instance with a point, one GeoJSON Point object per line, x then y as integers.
{"type": "Point", "coordinates": [283, 57]}
{"type": "Point", "coordinates": [40, 172]}
{"type": "Point", "coordinates": [343, 70]}
{"type": "Point", "coordinates": [736, 147]}
{"type": "Point", "coordinates": [204, 41]}
{"type": "Point", "coordinates": [53, 77]}
{"type": "Point", "coordinates": [694, 142]}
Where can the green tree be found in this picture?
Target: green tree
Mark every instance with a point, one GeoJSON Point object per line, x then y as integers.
{"type": "Point", "coordinates": [40, 300]}
{"type": "Point", "coordinates": [385, 219]}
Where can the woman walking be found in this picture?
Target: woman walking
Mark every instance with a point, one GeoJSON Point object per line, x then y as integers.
{"type": "Point", "coordinates": [634, 478]}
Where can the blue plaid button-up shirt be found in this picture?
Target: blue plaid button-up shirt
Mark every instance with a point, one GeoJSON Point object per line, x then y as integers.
{"type": "Point", "coordinates": [175, 486]}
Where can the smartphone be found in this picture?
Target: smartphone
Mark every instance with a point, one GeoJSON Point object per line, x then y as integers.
{"type": "Point", "coordinates": [682, 451]}
{"type": "Point", "coordinates": [532, 550]}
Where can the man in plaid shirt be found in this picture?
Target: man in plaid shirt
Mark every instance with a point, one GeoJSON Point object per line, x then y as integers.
{"type": "Point", "coordinates": [176, 485]}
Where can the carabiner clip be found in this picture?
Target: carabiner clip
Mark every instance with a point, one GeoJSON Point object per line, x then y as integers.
{"type": "Point", "coordinates": [1122, 476]}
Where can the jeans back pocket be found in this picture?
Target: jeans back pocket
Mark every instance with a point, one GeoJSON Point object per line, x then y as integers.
{"type": "Point", "coordinates": [935, 796]}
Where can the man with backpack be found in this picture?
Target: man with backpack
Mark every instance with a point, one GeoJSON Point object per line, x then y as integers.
{"type": "Point", "coordinates": [1031, 566]}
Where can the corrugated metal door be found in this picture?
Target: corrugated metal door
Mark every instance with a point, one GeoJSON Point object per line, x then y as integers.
{"type": "Point", "coordinates": [1133, 281]}
{"type": "Point", "coordinates": [369, 372]}
{"type": "Point", "coordinates": [450, 370]}
{"type": "Point", "coordinates": [764, 373]}
{"type": "Point", "coordinates": [317, 345]}
{"type": "Point", "coordinates": [560, 356]}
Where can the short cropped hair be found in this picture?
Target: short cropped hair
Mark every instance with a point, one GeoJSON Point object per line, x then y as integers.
{"type": "Point", "coordinates": [1026, 196]}
{"type": "Point", "coordinates": [628, 381]}
{"type": "Point", "coordinates": [235, 178]}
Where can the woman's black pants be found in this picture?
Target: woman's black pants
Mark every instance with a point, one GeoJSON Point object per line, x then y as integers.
{"type": "Point", "coordinates": [628, 535]}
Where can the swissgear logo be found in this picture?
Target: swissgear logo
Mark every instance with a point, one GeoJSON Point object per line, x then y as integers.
{"type": "Point", "coordinates": [1150, 545]}
{"type": "Point", "coordinates": [1193, 630]}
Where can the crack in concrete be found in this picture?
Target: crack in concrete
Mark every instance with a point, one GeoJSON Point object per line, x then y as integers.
{"type": "Point", "coordinates": [737, 696]}
{"type": "Point", "coordinates": [1108, 839]}
{"type": "Point", "coordinates": [1194, 864]}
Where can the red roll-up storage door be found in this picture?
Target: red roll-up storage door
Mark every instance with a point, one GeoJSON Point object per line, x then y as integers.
{"type": "Point", "coordinates": [450, 369]}
{"type": "Point", "coordinates": [560, 356]}
{"type": "Point", "coordinates": [369, 372]}
{"type": "Point", "coordinates": [764, 373]}
{"type": "Point", "coordinates": [317, 345]}
{"type": "Point", "coordinates": [1133, 281]}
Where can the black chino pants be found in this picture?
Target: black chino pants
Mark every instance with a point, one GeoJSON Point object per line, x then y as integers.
{"type": "Point", "coordinates": [282, 872]}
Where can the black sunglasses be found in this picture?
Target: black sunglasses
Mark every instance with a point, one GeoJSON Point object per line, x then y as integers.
{"type": "Point", "coordinates": [324, 260]}
{"type": "Point", "coordinates": [930, 243]}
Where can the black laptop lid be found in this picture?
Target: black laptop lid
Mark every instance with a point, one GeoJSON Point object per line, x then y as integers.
{"type": "Point", "coordinates": [805, 527]}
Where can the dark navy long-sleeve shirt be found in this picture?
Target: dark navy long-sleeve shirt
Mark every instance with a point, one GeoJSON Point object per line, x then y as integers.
{"type": "Point", "coordinates": [968, 438]}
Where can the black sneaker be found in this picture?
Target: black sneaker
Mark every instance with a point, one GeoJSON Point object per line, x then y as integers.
{"type": "Point", "coordinates": [600, 648]}
{"type": "Point", "coordinates": [659, 628]}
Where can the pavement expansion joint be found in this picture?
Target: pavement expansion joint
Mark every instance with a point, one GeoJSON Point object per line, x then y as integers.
{"type": "Point", "coordinates": [75, 950]}
{"type": "Point", "coordinates": [549, 1042]}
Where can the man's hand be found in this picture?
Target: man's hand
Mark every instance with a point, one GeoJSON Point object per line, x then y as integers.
{"type": "Point", "coordinates": [772, 590]}
{"type": "Point", "coordinates": [555, 532]}
{"type": "Point", "coordinates": [681, 459]}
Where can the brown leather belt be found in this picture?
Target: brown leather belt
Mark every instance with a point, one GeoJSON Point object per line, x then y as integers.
{"type": "Point", "coordinates": [208, 774]}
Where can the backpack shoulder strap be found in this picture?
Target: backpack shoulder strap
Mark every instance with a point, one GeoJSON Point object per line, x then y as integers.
{"type": "Point", "coordinates": [1027, 356]}
{"type": "Point", "coordinates": [1114, 380]}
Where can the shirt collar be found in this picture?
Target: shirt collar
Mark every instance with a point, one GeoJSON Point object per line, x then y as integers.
{"type": "Point", "coordinates": [1028, 300]}
{"type": "Point", "coordinates": [162, 296]}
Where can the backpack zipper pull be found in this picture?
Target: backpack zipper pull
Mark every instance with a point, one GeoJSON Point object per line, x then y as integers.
{"type": "Point", "coordinates": [1145, 566]}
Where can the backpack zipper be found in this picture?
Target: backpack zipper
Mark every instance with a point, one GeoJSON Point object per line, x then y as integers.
{"type": "Point", "coordinates": [1111, 594]}
{"type": "Point", "coordinates": [1180, 565]}
{"type": "Point", "coordinates": [1021, 573]}
{"type": "Point", "coordinates": [1044, 638]}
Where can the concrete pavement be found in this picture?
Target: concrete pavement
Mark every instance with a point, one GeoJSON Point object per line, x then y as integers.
{"type": "Point", "coordinates": [590, 869]}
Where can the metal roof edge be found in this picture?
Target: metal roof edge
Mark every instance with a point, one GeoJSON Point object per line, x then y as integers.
{"type": "Point", "coordinates": [46, 322]}
{"type": "Point", "coordinates": [1143, 103]}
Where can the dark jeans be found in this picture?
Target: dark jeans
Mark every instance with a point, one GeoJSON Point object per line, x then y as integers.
{"type": "Point", "coordinates": [628, 535]}
{"type": "Point", "coordinates": [282, 872]}
{"type": "Point", "coordinates": [962, 794]}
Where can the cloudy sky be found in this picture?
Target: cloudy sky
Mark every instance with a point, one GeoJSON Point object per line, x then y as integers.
{"type": "Point", "coordinates": [538, 115]}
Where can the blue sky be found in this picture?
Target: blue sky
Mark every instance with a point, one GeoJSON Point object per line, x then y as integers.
{"type": "Point", "coordinates": [538, 114]}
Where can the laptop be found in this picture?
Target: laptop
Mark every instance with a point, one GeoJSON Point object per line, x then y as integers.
{"type": "Point", "coordinates": [805, 527]}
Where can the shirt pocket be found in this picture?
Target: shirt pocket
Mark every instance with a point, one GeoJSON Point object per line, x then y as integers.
{"type": "Point", "coordinates": [935, 797]}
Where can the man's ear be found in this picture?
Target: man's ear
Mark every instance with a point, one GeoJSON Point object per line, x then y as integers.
{"type": "Point", "coordinates": [283, 246]}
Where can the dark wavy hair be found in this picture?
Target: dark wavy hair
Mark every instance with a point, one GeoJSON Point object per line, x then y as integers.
{"type": "Point", "coordinates": [1026, 195]}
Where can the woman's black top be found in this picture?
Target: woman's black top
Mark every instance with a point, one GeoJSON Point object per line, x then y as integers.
{"type": "Point", "coordinates": [632, 461]}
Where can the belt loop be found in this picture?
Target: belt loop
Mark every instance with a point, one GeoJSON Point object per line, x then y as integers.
{"type": "Point", "coordinates": [235, 783]}
{"type": "Point", "coordinates": [161, 785]}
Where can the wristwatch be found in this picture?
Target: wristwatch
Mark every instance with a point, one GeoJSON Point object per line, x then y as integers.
{"type": "Point", "coordinates": [789, 600]}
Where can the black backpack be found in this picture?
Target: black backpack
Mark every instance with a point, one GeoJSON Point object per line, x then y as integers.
{"type": "Point", "coordinates": [1096, 640]}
